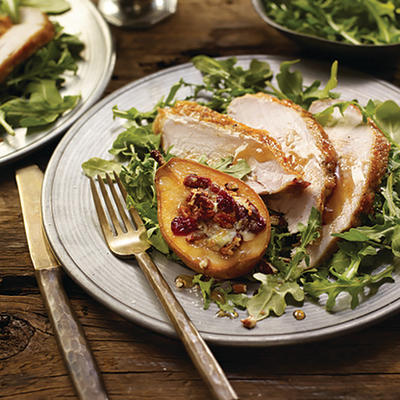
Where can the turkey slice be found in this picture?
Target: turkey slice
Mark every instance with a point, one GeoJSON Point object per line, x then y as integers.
{"type": "Point", "coordinates": [302, 138]}
{"type": "Point", "coordinates": [194, 131]}
{"type": "Point", "coordinates": [21, 40]}
{"type": "Point", "coordinates": [363, 153]}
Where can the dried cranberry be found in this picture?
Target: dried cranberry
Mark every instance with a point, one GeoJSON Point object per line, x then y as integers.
{"type": "Point", "coordinates": [206, 207]}
{"type": "Point", "coordinates": [256, 225]}
{"type": "Point", "coordinates": [215, 188]}
{"type": "Point", "coordinates": [224, 220]}
{"type": "Point", "coordinates": [182, 226]}
{"type": "Point", "coordinates": [225, 202]}
{"type": "Point", "coordinates": [240, 211]}
{"type": "Point", "coordinates": [195, 181]}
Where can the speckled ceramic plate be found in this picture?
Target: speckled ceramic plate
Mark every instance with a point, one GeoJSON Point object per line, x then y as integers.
{"type": "Point", "coordinates": [71, 223]}
{"type": "Point", "coordinates": [93, 75]}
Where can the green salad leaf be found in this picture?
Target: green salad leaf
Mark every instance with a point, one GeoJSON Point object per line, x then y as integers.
{"type": "Point", "coordinates": [48, 6]}
{"type": "Point", "coordinates": [351, 21]}
{"type": "Point", "coordinates": [271, 296]}
{"type": "Point", "coordinates": [10, 8]}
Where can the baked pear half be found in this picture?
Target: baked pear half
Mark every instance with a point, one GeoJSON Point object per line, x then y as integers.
{"type": "Point", "coordinates": [215, 223]}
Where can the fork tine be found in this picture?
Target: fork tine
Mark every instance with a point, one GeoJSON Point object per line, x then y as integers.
{"type": "Point", "coordinates": [105, 227]}
{"type": "Point", "coordinates": [134, 214]}
{"type": "Point", "coordinates": [121, 208]}
{"type": "Point", "coordinates": [110, 208]}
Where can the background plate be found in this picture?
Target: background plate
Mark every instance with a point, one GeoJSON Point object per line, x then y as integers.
{"type": "Point", "coordinates": [72, 227]}
{"type": "Point", "coordinates": [92, 78]}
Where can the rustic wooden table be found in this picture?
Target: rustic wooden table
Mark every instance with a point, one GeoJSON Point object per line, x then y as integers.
{"type": "Point", "coordinates": [137, 363]}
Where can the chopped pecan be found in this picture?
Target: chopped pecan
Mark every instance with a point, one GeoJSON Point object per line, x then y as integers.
{"type": "Point", "coordinates": [232, 186]}
{"type": "Point", "coordinates": [195, 236]}
{"type": "Point", "coordinates": [224, 220]}
{"type": "Point", "coordinates": [230, 248]}
{"type": "Point", "coordinates": [158, 157]}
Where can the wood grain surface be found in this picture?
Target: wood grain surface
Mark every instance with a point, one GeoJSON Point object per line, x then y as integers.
{"type": "Point", "coordinates": [137, 363]}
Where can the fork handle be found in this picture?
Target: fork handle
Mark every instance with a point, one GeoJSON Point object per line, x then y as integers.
{"type": "Point", "coordinates": [199, 352]}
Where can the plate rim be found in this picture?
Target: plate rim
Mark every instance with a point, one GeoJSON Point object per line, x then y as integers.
{"type": "Point", "coordinates": [162, 327]}
{"type": "Point", "coordinates": [83, 107]}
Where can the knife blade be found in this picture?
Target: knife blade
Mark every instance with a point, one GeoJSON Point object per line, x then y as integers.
{"type": "Point", "coordinates": [71, 339]}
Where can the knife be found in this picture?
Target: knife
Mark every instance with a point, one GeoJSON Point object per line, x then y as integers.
{"type": "Point", "coordinates": [71, 339]}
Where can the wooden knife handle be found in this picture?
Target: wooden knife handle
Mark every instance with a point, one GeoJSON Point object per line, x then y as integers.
{"type": "Point", "coordinates": [70, 337]}
{"type": "Point", "coordinates": [199, 352]}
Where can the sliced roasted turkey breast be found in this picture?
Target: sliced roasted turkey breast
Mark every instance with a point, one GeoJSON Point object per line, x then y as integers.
{"type": "Point", "coordinates": [363, 153]}
{"type": "Point", "coordinates": [193, 131]}
{"type": "Point", "coordinates": [21, 40]}
{"type": "Point", "coordinates": [300, 137]}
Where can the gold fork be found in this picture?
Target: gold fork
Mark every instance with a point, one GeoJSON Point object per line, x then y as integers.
{"type": "Point", "coordinates": [127, 241]}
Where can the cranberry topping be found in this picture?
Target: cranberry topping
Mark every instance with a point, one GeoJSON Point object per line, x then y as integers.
{"type": "Point", "coordinates": [256, 225]}
{"type": "Point", "coordinates": [208, 203]}
{"type": "Point", "coordinates": [201, 206]}
{"type": "Point", "coordinates": [195, 181]}
{"type": "Point", "coordinates": [224, 220]}
{"type": "Point", "coordinates": [257, 222]}
{"type": "Point", "coordinates": [240, 211]}
{"type": "Point", "coordinates": [182, 226]}
{"type": "Point", "coordinates": [225, 202]}
{"type": "Point", "coordinates": [215, 188]}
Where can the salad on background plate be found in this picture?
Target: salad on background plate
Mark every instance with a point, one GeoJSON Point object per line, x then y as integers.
{"type": "Point", "coordinates": [46, 54]}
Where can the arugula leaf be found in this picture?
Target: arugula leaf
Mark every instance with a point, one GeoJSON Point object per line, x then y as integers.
{"type": "Point", "coordinates": [271, 296]}
{"type": "Point", "coordinates": [10, 8]}
{"type": "Point", "coordinates": [142, 138]}
{"type": "Point", "coordinates": [205, 287]}
{"type": "Point", "coordinates": [97, 166]}
{"type": "Point", "coordinates": [239, 170]}
{"type": "Point", "coordinates": [43, 106]}
{"type": "Point", "coordinates": [4, 123]}
{"type": "Point", "coordinates": [355, 287]}
{"type": "Point", "coordinates": [387, 116]}
{"type": "Point", "coordinates": [220, 293]}
{"type": "Point", "coordinates": [48, 6]}
{"type": "Point", "coordinates": [223, 80]}
{"type": "Point", "coordinates": [308, 234]}
{"type": "Point", "coordinates": [291, 86]}
{"type": "Point", "coordinates": [138, 179]}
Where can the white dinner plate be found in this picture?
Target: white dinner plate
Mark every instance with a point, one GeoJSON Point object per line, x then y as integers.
{"type": "Point", "coordinates": [72, 226]}
{"type": "Point", "coordinates": [94, 73]}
